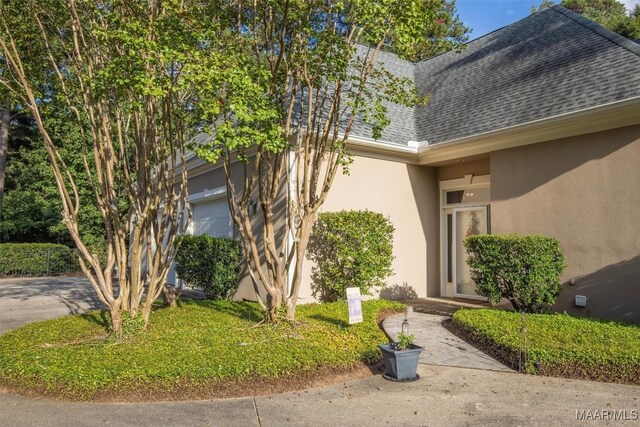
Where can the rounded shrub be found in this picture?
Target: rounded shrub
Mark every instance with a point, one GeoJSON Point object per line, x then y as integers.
{"type": "Point", "coordinates": [525, 270]}
{"type": "Point", "coordinates": [37, 260]}
{"type": "Point", "coordinates": [350, 249]}
{"type": "Point", "coordinates": [210, 263]}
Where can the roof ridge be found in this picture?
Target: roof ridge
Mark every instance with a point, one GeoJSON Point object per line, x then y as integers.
{"type": "Point", "coordinates": [465, 44]}
{"type": "Point", "coordinates": [599, 29]}
{"type": "Point", "coordinates": [481, 37]}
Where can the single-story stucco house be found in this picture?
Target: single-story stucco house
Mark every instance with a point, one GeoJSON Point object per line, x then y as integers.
{"type": "Point", "coordinates": [532, 129]}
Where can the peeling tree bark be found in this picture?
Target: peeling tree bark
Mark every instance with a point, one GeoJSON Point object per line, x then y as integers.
{"type": "Point", "coordinates": [5, 122]}
{"type": "Point", "coordinates": [134, 154]}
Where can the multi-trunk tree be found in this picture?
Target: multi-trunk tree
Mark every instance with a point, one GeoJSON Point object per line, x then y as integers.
{"type": "Point", "coordinates": [313, 73]}
{"type": "Point", "coordinates": [125, 71]}
{"type": "Point", "coordinates": [5, 122]}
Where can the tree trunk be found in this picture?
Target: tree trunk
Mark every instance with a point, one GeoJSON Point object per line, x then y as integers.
{"type": "Point", "coordinates": [276, 305]}
{"type": "Point", "coordinates": [291, 309]}
{"type": "Point", "coordinates": [170, 294]}
{"type": "Point", "coordinates": [116, 322]}
{"type": "Point", "coordinates": [5, 121]}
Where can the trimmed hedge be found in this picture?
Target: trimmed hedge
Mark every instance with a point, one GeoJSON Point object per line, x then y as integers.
{"type": "Point", "coordinates": [525, 270]}
{"type": "Point", "coordinates": [350, 249]}
{"type": "Point", "coordinates": [559, 344]}
{"type": "Point", "coordinates": [210, 263]}
{"type": "Point", "coordinates": [37, 259]}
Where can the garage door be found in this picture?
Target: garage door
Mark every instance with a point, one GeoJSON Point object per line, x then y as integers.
{"type": "Point", "coordinates": [211, 218]}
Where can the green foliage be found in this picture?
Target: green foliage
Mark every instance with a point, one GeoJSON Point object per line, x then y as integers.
{"type": "Point", "coordinates": [402, 341]}
{"type": "Point", "coordinates": [563, 345]}
{"type": "Point", "coordinates": [32, 207]}
{"type": "Point", "coordinates": [187, 349]}
{"type": "Point", "coordinates": [611, 14]}
{"type": "Point", "coordinates": [210, 263]}
{"type": "Point", "coordinates": [525, 270]}
{"type": "Point", "coordinates": [37, 259]}
{"type": "Point", "coordinates": [319, 54]}
{"type": "Point", "coordinates": [131, 326]}
{"type": "Point", "coordinates": [350, 249]}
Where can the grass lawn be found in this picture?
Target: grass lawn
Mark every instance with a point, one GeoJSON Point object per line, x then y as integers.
{"type": "Point", "coordinates": [200, 349]}
{"type": "Point", "coordinates": [562, 345]}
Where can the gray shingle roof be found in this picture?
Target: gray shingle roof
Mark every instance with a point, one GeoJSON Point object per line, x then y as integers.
{"type": "Point", "coordinates": [550, 63]}
{"type": "Point", "coordinates": [402, 122]}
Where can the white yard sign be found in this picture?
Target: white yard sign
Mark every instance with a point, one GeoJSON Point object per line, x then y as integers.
{"type": "Point", "coordinates": [354, 300]}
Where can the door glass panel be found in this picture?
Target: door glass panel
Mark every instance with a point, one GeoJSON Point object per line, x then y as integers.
{"type": "Point", "coordinates": [449, 246]}
{"type": "Point", "coordinates": [468, 196]}
{"type": "Point", "coordinates": [475, 195]}
{"type": "Point", "coordinates": [468, 222]}
{"type": "Point", "coordinates": [454, 197]}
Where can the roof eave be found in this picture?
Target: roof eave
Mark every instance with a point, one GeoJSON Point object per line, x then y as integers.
{"type": "Point", "coordinates": [595, 119]}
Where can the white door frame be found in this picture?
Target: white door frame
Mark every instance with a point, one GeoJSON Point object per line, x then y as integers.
{"type": "Point", "coordinates": [468, 182]}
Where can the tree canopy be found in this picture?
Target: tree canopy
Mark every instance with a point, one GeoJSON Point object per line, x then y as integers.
{"type": "Point", "coordinates": [304, 72]}
{"type": "Point", "coordinates": [124, 71]}
{"type": "Point", "coordinates": [32, 207]}
{"type": "Point", "coordinates": [608, 13]}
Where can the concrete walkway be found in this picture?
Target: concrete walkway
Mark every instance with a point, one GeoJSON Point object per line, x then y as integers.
{"type": "Point", "coordinates": [444, 396]}
{"type": "Point", "coordinates": [441, 347]}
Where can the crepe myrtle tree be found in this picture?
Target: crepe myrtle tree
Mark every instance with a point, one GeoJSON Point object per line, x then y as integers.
{"type": "Point", "coordinates": [5, 122]}
{"type": "Point", "coordinates": [305, 70]}
{"type": "Point", "coordinates": [125, 71]}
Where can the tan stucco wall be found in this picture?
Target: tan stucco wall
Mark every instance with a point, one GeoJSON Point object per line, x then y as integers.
{"type": "Point", "coordinates": [461, 168]}
{"type": "Point", "coordinates": [407, 194]}
{"type": "Point", "coordinates": [585, 191]}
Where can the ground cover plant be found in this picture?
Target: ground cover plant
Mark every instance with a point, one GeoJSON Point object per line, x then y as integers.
{"type": "Point", "coordinates": [558, 344]}
{"type": "Point", "coordinates": [199, 349]}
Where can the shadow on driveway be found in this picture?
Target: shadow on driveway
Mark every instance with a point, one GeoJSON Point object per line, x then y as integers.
{"type": "Point", "coordinates": [27, 300]}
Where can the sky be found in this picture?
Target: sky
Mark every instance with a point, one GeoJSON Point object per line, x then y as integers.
{"type": "Point", "coordinates": [484, 16]}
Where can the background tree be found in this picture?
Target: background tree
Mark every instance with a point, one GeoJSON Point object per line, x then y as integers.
{"type": "Point", "coordinates": [608, 13]}
{"type": "Point", "coordinates": [32, 206]}
{"type": "Point", "coordinates": [122, 69]}
{"type": "Point", "coordinates": [313, 73]}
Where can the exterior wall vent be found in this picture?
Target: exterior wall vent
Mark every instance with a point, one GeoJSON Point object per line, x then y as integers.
{"type": "Point", "coordinates": [581, 301]}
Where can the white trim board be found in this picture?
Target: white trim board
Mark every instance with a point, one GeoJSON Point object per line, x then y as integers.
{"type": "Point", "coordinates": [589, 120]}
{"type": "Point", "coordinates": [207, 195]}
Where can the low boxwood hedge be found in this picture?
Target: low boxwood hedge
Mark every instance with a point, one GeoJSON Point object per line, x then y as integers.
{"type": "Point", "coordinates": [210, 263]}
{"type": "Point", "coordinates": [37, 259]}
{"type": "Point", "coordinates": [350, 249]}
{"type": "Point", "coordinates": [558, 344]}
{"type": "Point", "coordinates": [525, 270]}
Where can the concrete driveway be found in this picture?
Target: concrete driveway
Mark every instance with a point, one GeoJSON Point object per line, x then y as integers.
{"type": "Point", "coordinates": [444, 396]}
{"type": "Point", "coordinates": [29, 300]}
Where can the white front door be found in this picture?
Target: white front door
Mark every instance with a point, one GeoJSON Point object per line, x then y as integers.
{"type": "Point", "coordinates": [464, 203]}
{"type": "Point", "coordinates": [465, 221]}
